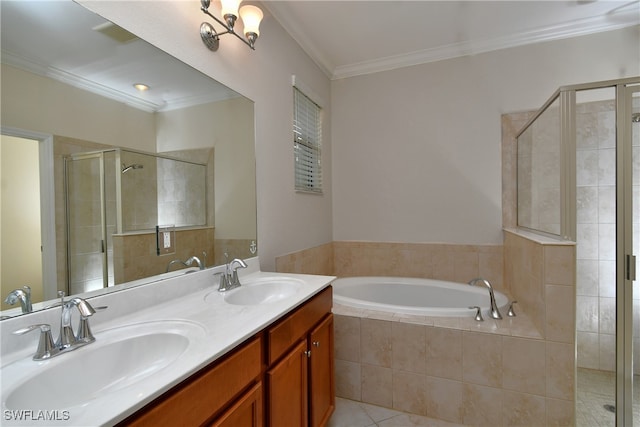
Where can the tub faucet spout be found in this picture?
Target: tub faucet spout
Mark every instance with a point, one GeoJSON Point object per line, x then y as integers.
{"type": "Point", "coordinates": [494, 312]}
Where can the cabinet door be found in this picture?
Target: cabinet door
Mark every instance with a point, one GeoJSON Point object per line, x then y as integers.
{"type": "Point", "coordinates": [321, 373]}
{"type": "Point", "coordinates": [287, 389]}
{"type": "Point", "coordinates": [247, 412]}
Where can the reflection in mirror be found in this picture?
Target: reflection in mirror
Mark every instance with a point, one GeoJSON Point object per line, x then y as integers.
{"type": "Point", "coordinates": [190, 139]}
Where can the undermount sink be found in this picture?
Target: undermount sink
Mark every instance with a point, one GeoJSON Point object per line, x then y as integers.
{"type": "Point", "coordinates": [263, 291]}
{"type": "Point", "coordinates": [120, 357]}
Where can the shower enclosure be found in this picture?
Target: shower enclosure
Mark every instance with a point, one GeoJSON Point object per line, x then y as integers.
{"type": "Point", "coordinates": [579, 179]}
{"type": "Point", "coordinates": [119, 192]}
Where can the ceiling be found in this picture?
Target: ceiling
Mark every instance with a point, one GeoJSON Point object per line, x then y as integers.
{"type": "Point", "coordinates": [80, 48]}
{"type": "Point", "coordinates": [345, 38]}
{"type": "Point", "coordinates": [348, 38]}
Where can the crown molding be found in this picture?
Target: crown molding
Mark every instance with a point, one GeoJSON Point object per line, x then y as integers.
{"type": "Point", "coordinates": [107, 92]}
{"type": "Point", "coordinates": [576, 28]}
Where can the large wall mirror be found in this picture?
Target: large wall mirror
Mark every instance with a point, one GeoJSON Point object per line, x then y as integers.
{"type": "Point", "coordinates": [104, 185]}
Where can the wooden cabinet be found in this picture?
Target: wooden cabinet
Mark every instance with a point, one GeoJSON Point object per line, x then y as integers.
{"type": "Point", "coordinates": [247, 412]}
{"type": "Point", "coordinates": [321, 373]}
{"type": "Point", "coordinates": [300, 384]}
{"type": "Point", "coordinates": [200, 398]}
{"type": "Point", "coordinates": [288, 389]}
{"type": "Point", "coordinates": [283, 377]}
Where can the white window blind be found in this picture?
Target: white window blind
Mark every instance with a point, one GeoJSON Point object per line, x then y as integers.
{"type": "Point", "coordinates": [307, 142]}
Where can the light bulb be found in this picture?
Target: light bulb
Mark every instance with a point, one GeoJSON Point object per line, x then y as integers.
{"type": "Point", "coordinates": [251, 17]}
{"type": "Point", "coordinates": [230, 7]}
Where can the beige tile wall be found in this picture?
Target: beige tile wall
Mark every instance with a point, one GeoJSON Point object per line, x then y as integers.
{"type": "Point", "coordinates": [135, 256]}
{"type": "Point", "coordinates": [454, 375]}
{"type": "Point", "coordinates": [458, 263]}
{"type": "Point", "coordinates": [509, 372]}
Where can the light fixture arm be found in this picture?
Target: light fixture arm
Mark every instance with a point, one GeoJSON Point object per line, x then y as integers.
{"type": "Point", "coordinates": [211, 37]}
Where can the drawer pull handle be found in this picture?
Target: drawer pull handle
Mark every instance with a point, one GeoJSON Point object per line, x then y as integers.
{"type": "Point", "coordinates": [307, 353]}
{"type": "Point", "coordinates": [316, 343]}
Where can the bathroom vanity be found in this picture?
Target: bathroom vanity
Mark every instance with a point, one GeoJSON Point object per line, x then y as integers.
{"type": "Point", "coordinates": [284, 375]}
{"type": "Point", "coordinates": [181, 353]}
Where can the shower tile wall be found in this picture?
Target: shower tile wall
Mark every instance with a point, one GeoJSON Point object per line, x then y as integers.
{"type": "Point", "coordinates": [596, 229]}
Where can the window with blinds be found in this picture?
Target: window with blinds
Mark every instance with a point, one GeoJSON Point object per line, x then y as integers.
{"type": "Point", "coordinates": [307, 142]}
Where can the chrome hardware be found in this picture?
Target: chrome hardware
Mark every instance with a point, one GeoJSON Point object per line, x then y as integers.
{"type": "Point", "coordinates": [67, 341]}
{"type": "Point", "coordinates": [229, 279]}
{"type": "Point", "coordinates": [84, 334]}
{"type": "Point", "coordinates": [67, 338]}
{"type": "Point", "coordinates": [46, 348]}
{"type": "Point", "coordinates": [307, 353]}
{"type": "Point", "coordinates": [187, 263]}
{"type": "Point", "coordinates": [511, 313]}
{"type": "Point", "coordinates": [478, 316]}
{"type": "Point", "coordinates": [316, 343]}
{"type": "Point", "coordinates": [23, 295]}
{"type": "Point", "coordinates": [196, 260]}
{"type": "Point", "coordinates": [494, 312]}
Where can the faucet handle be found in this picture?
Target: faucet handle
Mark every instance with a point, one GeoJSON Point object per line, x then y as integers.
{"type": "Point", "coordinates": [84, 334]}
{"type": "Point", "coordinates": [478, 316]}
{"type": "Point", "coordinates": [223, 285]}
{"type": "Point", "coordinates": [46, 348]}
{"type": "Point", "coordinates": [511, 313]}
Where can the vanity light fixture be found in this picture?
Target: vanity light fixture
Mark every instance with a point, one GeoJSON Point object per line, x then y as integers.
{"type": "Point", "coordinates": [250, 15]}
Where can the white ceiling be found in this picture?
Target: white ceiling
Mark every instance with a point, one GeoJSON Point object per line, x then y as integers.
{"type": "Point", "coordinates": [347, 38]}
{"type": "Point", "coordinates": [60, 39]}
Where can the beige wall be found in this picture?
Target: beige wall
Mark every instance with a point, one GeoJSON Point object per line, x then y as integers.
{"type": "Point", "coordinates": [54, 108]}
{"type": "Point", "coordinates": [263, 75]}
{"type": "Point", "coordinates": [431, 134]}
{"type": "Point", "coordinates": [433, 131]}
{"type": "Point", "coordinates": [20, 253]}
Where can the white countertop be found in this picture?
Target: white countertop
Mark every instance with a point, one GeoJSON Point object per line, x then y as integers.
{"type": "Point", "coordinates": [224, 325]}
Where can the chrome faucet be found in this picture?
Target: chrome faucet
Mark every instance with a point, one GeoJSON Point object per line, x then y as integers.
{"type": "Point", "coordinates": [175, 261]}
{"type": "Point", "coordinates": [494, 312]}
{"type": "Point", "coordinates": [23, 295]}
{"type": "Point", "coordinates": [67, 337]}
{"type": "Point", "coordinates": [229, 279]}
{"type": "Point", "coordinates": [67, 341]}
{"type": "Point", "coordinates": [196, 260]}
{"type": "Point", "coordinates": [187, 263]}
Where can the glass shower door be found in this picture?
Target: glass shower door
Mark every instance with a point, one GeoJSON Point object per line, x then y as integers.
{"type": "Point", "coordinates": [86, 223]}
{"type": "Point", "coordinates": [627, 180]}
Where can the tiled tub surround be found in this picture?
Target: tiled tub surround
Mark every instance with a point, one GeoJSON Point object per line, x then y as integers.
{"type": "Point", "coordinates": [454, 369]}
{"type": "Point", "coordinates": [452, 262]}
{"type": "Point", "coordinates": [511, 372]}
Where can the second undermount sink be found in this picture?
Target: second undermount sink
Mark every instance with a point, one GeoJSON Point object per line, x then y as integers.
{"type": "Point", "coordinates": [263, 291]}
{"type": "Point", "coordinates": [119, 358]}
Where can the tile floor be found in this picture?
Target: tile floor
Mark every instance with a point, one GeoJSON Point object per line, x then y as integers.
{"type": "Point", "coordinates": [350, 413]}
{"type": "Point", "coordinates": [595, 389]}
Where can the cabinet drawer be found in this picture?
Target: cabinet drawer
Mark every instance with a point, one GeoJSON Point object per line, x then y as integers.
{"type": "Point", "coordinates": [197, 400]}
{"type": "Point", "coordinates": [289, 330]}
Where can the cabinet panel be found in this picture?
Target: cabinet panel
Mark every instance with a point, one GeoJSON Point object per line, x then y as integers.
{"type": "Point", "coordinates": [297, 324]}
{"type": "Point", "coordinates": [247, 412]}
{"type": "Point", "coordinates": [321, 373]}
{"type": "Point", "coordinates": [287, 389]}
{"type": "Point", "coordinates": [198, 399]}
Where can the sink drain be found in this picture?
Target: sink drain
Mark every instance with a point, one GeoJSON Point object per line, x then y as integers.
{"type": "Point", "coordinates": [610, 408]}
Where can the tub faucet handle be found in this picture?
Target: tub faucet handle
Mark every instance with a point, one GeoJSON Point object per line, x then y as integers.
{"type": "Point", "coordinates": [478, 310]}
{"type": "Point", "coordinates": [512, 313]}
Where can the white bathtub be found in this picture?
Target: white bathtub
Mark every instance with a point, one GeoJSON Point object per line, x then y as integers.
{"type": "Point", "coordinates": [426, 297]}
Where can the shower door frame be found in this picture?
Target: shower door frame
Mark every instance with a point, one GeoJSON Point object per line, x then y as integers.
{"type": "Point", "coordinates": [625, 259]}
{"type": "Point", "coordinates": [103, 213]}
